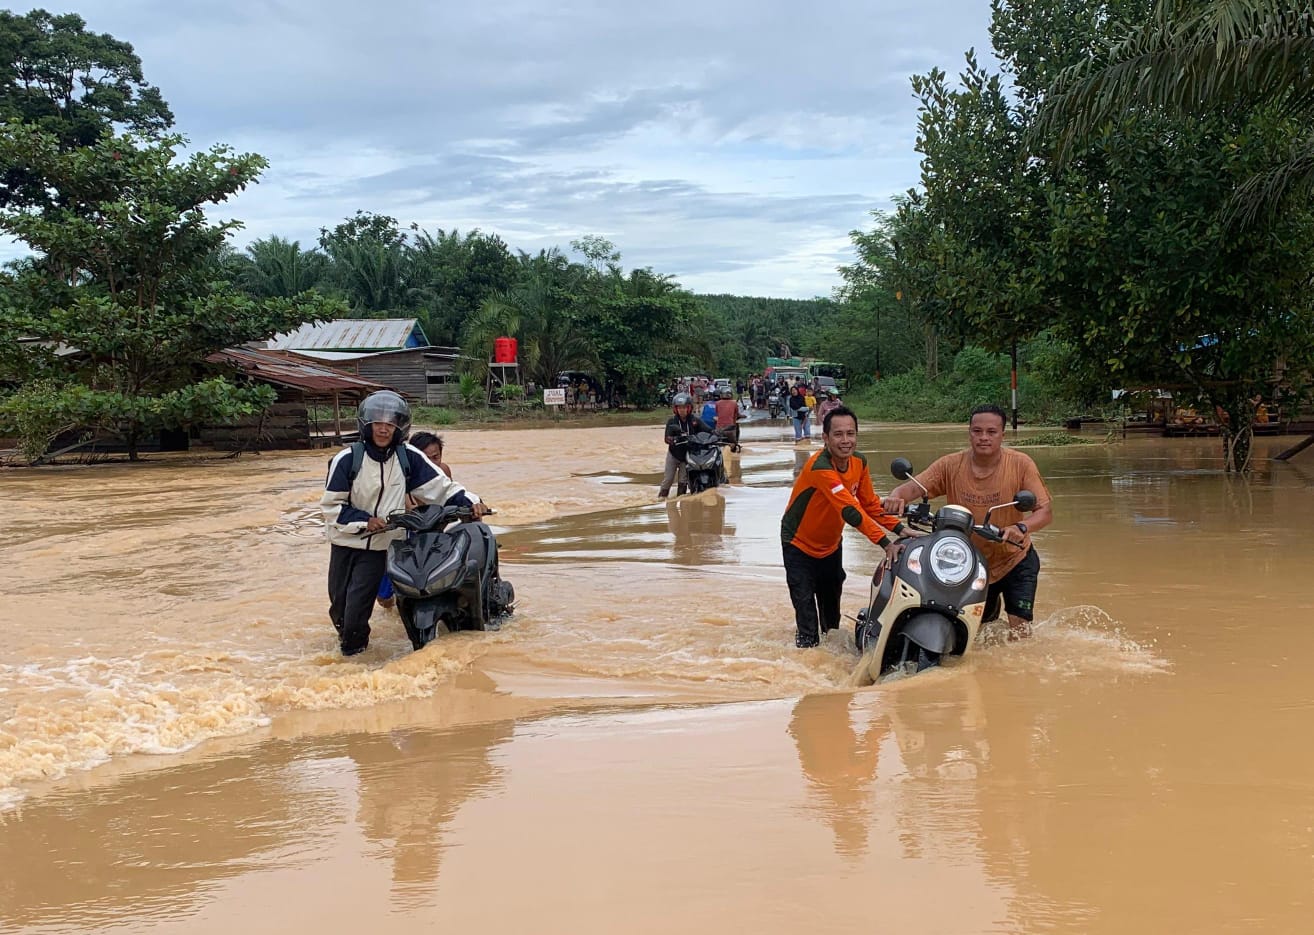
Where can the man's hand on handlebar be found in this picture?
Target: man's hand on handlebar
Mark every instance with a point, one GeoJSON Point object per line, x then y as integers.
{"type": "Point", "coordinates": [1013, 535]}
{"type": "Point", "coordinates": [893, 505]}
{"type": "Point", "coordinates": [376, 524]}
{"type": "Point", "coordinates": [479, 510]}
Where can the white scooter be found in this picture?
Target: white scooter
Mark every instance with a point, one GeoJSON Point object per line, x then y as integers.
{"type": "Point", "coordinates": [928, 604]}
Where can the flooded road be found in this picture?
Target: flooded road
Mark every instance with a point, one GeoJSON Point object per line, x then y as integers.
{"type": "Point", "coordinates": [641, 748]}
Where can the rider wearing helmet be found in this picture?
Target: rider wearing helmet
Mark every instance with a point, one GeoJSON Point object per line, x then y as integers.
{"type": "Point", "coordinates": [681, 425]}
{"type": "Point", "coordinates": [366, 482]}
{"type": "Point", "coordinates": [727, 418]}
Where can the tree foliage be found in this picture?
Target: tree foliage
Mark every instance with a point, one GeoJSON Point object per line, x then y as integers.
{"type": "Point", "coordinates": [1120, 248]}
{"type": "Point", "coordinates": [74, 85]}
{"type": "Point", "coordinates": [122, 277]}
{"type": "Point", "coordinates": [1201, 58]}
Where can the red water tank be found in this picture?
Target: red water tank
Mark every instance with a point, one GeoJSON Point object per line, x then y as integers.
{"type": "Point", "coordinates": [505, 350]}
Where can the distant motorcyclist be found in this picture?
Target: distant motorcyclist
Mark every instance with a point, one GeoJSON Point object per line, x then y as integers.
{"type": "Point", "coordinates": [708, 413]}
{"type": "Point", "coordinates": [366, 482]}
{"type": "Point", "coordinates": [679, 427]}
{"type": "Point", "coordinates": [829, 400]}
{"type": "Point", "coordinates": [727, 418]}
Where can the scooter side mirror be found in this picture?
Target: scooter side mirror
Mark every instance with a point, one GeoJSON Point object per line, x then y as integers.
{"type": "Point", "coordinates": [1025, 501]}
{"type": "Point", "coordinates": [901, 468]}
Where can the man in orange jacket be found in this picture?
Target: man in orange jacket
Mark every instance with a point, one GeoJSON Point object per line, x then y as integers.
{"type": "Point", "coordinates": [832, 490]}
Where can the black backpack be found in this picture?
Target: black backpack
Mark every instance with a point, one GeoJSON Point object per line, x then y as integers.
{"type": "Point", "coordinates": [358, 458]}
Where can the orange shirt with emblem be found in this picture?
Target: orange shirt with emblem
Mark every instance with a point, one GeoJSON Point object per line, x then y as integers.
{"type": "Point", "coordinates": [952, 477]}
{"type": "Point", "coordinates": [824, 500]}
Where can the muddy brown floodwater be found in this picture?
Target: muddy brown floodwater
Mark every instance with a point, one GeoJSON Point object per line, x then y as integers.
{"type": "Point", "coordinates": [641, 749]}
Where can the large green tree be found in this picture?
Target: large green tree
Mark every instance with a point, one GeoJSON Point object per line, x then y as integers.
{"type": "Point", "coordinates": [453, 273]}
{"type": "Point", "coordinates": [279, 268]}
{"type": "Point", "coordinates": [73, 84]}
{"type": "Point", "coordinates": [1201, 58]}
{"type": "Point", "coordinates": [1119, 249]}
{"type": "Point", "coordinates": [123, 281]}
{"type": "Point", "coordinates": [542, 311]}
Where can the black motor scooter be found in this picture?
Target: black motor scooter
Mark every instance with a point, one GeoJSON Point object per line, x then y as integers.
{"type": "Point", "coordinates": [929, 603]}
{"type": "Point", "coordinates": [704, 461]}
{"type": "Point", "coordinates": [446, 577]}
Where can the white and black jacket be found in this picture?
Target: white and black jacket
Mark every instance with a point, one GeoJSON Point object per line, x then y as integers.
{"type": "Point", "coordinates": [379, 489]}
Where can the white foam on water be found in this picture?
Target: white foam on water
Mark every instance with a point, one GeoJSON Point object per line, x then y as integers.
{"type": "Point", "coordinates": [83, 712]}
{"type": "Point", "coordinates": [1071, 642]}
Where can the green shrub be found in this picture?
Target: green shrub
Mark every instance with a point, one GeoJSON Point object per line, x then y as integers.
{"type": "Point", "coordinates": [975, 377]}
{"type": "Point", "coordinates": [434, 415]}
{"type": "Point", "coordinates": [1052, 438]}
{"type": "Point", "coordinates": [470, 390]}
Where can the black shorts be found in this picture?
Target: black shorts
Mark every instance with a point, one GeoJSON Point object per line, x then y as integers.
{"type": "Point", "coordinates": [1017, 588]}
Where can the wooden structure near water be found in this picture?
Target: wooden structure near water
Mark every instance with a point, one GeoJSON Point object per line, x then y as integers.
{"type": "Point", "coordinates": [422, 374]}
{"type": "Point", "coordinates": [303, 387]}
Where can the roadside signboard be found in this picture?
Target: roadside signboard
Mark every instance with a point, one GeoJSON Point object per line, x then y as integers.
{"type": "Point", "coordinates": [554, 397]}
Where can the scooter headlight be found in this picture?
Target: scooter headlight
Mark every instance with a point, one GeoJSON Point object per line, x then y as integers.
{"type": "Point", "coordinates": [952, 560]}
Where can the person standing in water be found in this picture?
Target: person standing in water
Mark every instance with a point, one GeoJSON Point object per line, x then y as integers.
{"type": "Point", "coordinates": [366, 482]}
{"type": "Point", "coordinates": [831, 491]}
{"type": "Point", "coordinates": [985, 474]}
{"type": "Point", "coordinates": [798, 414]}
{"type": "Point", "coordinates": [679, 427]}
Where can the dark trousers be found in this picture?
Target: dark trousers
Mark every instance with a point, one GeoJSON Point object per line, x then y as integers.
{"type": "Point", "coordinates": [353, 583]}
{"type": "Point", "coordinates": [815, 585]}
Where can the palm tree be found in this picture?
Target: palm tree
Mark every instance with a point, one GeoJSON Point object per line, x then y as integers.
{"type": "Point", "coordinates": [374, 275]}
{"type": "Point", "coordinates": [550, 335]}
{"type": "Point", "coordinates": [279, 268]}
{"type": "Point", "coordinates": [1199, 57]}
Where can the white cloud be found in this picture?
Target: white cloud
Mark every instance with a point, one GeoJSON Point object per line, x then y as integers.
{"type": "Point", "coordinates": [731, 143]}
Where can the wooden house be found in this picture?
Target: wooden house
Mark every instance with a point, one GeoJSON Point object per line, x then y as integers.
{"type": "Point", "coordinates": [309, 409]}
{"type": "Point", "coordinates": [392, 351]}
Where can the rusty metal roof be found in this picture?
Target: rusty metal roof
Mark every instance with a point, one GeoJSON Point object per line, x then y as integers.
{"type": "Point", "coordinates": [284, 369]}
{"type": "Point", "coordinates": [351, 334]}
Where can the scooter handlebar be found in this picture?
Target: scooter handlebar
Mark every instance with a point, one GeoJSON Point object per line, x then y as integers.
{"type": "Point", "coordinates": [421, 519]}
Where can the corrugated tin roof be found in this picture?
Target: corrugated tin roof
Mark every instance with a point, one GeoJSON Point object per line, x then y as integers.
{"type": "Point", "coordinates": [349, 334]}
{"type": "Point", "coordinates": [281, 368]}
{"type": "Point", "coordinates": [343, 356]}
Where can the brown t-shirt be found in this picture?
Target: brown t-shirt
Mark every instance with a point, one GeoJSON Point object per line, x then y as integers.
{"type": "Point", "coordinates": [952, 478]}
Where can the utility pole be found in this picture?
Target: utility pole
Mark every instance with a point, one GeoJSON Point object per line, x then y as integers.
{"type": "Point", "coordinates": [1013, 383]}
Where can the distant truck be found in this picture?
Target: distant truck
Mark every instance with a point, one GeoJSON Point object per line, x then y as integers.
{"type": "Point", "coordinates": [819, 374]}
{"type": "Point", "coordinates": [790, 368]}
{"type": "Point", "coordinates": [827, 374]}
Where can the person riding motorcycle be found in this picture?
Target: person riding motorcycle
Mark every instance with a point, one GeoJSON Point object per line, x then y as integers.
{"type": "Point", "coordinates": [366, 482]}
{"type": "Point", "coordinates": [727, 418]}
{"type": "Point", "coordinates": [679, 427]}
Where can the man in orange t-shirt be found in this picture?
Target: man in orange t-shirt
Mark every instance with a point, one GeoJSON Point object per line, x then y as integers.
{"type": "Point", "coordinates": [727, 418]}
{"type": "Point", "coordinates": [832, 490]}
{"type": "Point", "coordinates": [985, 474]}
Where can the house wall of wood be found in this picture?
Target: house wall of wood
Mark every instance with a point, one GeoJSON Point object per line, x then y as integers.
{"type": "Point", "coordinates": [419, 376]}
{"type": "Point", "coordinates": [286, 424]}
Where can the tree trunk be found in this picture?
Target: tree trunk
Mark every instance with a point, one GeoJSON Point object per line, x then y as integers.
{"type": "Point", "coordinates": [932, 352]}
{"type": "Point", "coordinates": [1238, 431]}
{"type": "Point", "coordinates": [131, 438]}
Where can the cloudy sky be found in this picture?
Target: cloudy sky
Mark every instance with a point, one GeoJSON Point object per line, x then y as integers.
{"type": "Point", "coordinates": [730, 143]}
